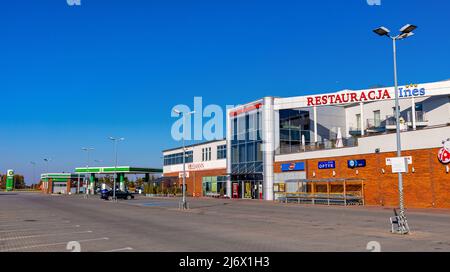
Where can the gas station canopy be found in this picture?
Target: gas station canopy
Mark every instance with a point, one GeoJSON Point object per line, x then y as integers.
{"type": "Point", "coordinates": [119, 169]}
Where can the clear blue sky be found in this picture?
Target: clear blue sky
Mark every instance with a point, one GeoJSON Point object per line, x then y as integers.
{"type": "Point", "coordinates": [72, 76]}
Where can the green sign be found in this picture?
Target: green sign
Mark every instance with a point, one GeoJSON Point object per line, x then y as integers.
{"type": "Point", "coordinates": [10, 180]}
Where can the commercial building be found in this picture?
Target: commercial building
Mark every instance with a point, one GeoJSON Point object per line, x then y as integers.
{"type": "Point", "coordinates": [206, 173]}
{"type": "Point", "coordinates": [337, 146]}
{"type": "Point", "coordinates": [60, 183]}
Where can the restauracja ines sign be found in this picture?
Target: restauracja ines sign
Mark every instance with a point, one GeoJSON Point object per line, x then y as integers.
{"type": "Point", "coordinates": [363, 96]}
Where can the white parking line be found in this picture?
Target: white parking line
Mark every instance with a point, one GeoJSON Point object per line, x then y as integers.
{"type": "Point", "coordinates": [55, 244]}
{"type": "Point", "coordinates": [119, 249]}
{"type": "Point", "coordinates": [44, 235]}
{"type": "Point", "coordinates": [19, 230]}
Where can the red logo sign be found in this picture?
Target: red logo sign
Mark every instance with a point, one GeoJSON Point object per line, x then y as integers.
{"type": "Point", "coordinates": [444, 153]}
{"type": "Point", "coordinates": [292, 166]}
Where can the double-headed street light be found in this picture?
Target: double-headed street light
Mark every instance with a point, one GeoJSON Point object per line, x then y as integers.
{"type": "Point", "coordinates": [405, 32]}
{"type": "Point", "coordinates": [184, 202]}
{"type": "Point", "coordinates": [114, 139]}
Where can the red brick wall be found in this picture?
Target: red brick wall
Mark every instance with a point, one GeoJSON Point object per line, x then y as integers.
{"type": "Point", "coordinates": [428, 186]}
{"type": "Point", "coordinates": [196, 177]}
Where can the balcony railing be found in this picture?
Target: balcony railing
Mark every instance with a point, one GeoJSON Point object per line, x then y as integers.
{"type": "Point", "coordinates": [311, 146]}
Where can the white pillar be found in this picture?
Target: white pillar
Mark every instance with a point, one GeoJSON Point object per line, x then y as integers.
{"type": "Point", "coordinates": [268, 151]}
{"type": "Point", "coordinates": [413, 112]}
{"type": "Point", "coordinates": [229, 137]}
{"type": "Point", "coordinates": [315, 124]}
{"type": "Point", "coordinates": [361, 108]}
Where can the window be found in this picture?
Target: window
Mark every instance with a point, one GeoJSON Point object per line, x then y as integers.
{"type": "Point", "coordinates": [222, 152]}
{"type": "Point", "coordinates": [177, 158]}
{"type": "Point", "coordinates": [376, 118]}
{"type": "Point", "coordinates": [206, 154]}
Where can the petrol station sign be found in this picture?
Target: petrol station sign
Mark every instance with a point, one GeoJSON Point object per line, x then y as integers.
{"type": "Point", "coordinates": [10, 180]}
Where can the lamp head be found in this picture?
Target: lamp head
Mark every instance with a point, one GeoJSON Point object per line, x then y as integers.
{"type": "Point", "coordinates": [382, 31]}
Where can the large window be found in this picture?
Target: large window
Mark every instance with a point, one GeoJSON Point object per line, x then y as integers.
{"type": "Point", "coordinates": [214, 186]}
{"type": "Point", "coordinates": [177, 158]}
{"type": "Point", "coordinates": [294, 128]}
{"type": "Point", "coordinates": [222, 152]}
{"type": "Point", "coordinates": [246, 157]}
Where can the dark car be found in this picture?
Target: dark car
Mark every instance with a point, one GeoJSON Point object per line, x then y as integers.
{"type": "Point", "coordinates": [108, 194]}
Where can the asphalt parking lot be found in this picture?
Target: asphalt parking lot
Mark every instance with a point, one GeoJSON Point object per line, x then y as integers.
{"type": "Point", "coordinates": [37, 222]}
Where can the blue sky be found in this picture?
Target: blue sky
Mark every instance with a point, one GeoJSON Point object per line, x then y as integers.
{"type": "Point", "coordinates": [72, 76]}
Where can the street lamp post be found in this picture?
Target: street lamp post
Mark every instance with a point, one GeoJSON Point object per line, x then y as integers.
{"type": "Point", "coordinates": [47, 160]}
{"type": "Point", "coordinates": [115, 163]}
{"type": "Point", "coordinates": [184, 202]}
{"type": "Point", "coordinates": [34, 171]}
{"type": "Point", "coordinates": [87, 150]}
{"type": "Point", "coordinates": [406, 31]}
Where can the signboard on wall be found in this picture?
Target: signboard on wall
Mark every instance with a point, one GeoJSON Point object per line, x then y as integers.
{"type": "Point", "coordinates": [399, 165]}
{"type": "Point", "coordinates": [294, 166]}
{"type": "Point", "coordinates": [356, 163]}
{"type": "Point", "coordinates": [444, 152]}
{"type": "Point", "coordinates": [389, 162]}
{"type": "Point", "coordinates": [327, 164]}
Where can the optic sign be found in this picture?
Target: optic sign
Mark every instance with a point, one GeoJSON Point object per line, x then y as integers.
{"type": "Point", "coordinates": [444, 152]}
{"type": "Point", "coordinates": [327, 165]}
{"type": "Point", "coordinates": [364, 96]}
{"type": "Point", "coordinates": [295, 166]}
{"type": "Point", "coordinates": [356, 163]}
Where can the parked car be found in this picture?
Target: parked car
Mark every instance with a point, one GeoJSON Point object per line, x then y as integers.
{"type": "Point", "coordinates": [108, 194]}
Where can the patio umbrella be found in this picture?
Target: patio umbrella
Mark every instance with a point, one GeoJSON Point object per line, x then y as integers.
{"type": "Point", "coordinates": [303, 141]}
{"type": "Point", "coordinates": [339, 142]}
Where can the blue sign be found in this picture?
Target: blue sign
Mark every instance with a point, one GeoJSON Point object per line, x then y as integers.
{"type": "Point", "coordinates": [295, 166]}
{"type": "Point", "coordinates": [327, 164]}
{"type": "Point", "coordinates": [356, 163]}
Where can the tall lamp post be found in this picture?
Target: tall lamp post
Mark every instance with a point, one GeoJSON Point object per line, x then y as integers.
{"type": "Point", "coordinates": [47, 160]}
{"type": "Point", "coordinates": [184, 202]}
{"type": "Point", "coordinates": [405, 32]}
{"type": "Point", "coordinates": [115, 163]}
{"type": "Point", "coordinates": [88, 150]}
{"type": "Point", "coordinates": [34, 170]}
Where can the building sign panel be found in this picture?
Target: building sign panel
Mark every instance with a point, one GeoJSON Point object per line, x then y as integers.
{"type": "Point", "coordinates": [327, 165]}
{"type": "Point", "coordinates": [399, 165]}
{"type": "Point", "coordinates": [444, 152]}
{"type": "Point", "coordinates": [409, 158]}
{"type": "Point", "coordinates": [356, 163]}
{"type": "Point", "coordinates": [365, 96]}
{"type": "Point", "coordinates": [295, 166]}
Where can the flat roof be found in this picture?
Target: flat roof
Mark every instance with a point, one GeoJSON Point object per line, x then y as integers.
{"type": "Point", "coordinates": [59, 175]}
{"type": "Point", "coordinates": [192, 145]}
{"type": "Point", "coordinates": [118, 169]}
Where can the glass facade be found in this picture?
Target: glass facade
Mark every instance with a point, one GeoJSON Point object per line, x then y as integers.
{"type": "Point", "coordinates": [178, 158]}
{"type": "Point", "coordinates": [214, 186]}
{"type": "Point", "coordinates": [293, 125]}
{"type": "Point", "coordinates": [246, 154]}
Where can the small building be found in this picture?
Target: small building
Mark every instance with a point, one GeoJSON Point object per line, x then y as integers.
{"type": "Point", "coordinates": [60, 183]}
{"type": "Point", "coordinates": [205, 167]}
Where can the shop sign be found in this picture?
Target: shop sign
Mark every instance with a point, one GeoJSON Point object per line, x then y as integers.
{"type": "Point", "coordinates": [180, 175]}
{"type": "Point", "coordinates": [399, 165]}
{"type": "Point", "coordinates": [196, 166]}
{"type": "Point", "coordinates": [389, 162]}
{"type": "Point", "coordinates": [327, 165]}
{"type": "Point", "coordinates": [444, 152]}
{"type": "Point", "coordinates": [356, 163]}
{"type": "Point", "coordinates": [295, 166]}
{"type": "Point", "coordinates": [411, 90]}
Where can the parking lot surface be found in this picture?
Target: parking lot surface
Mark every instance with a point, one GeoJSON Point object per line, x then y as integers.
{"type": "Point", "coordinates": [37, 222]}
